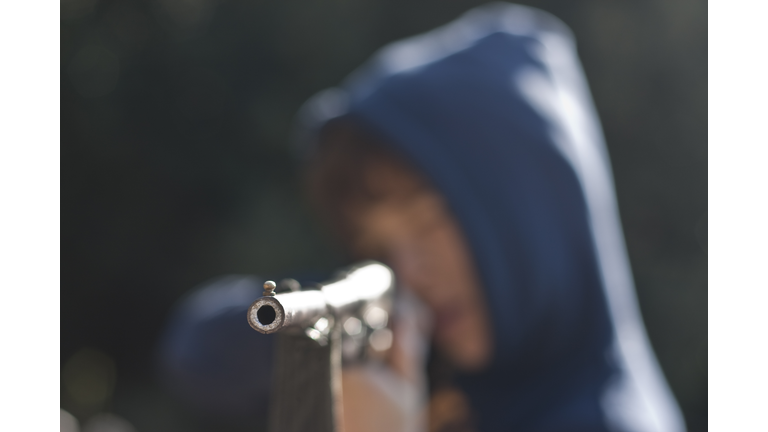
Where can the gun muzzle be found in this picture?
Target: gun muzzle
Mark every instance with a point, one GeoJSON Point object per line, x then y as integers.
{"type": "Point", "coordinates": [360, 285]}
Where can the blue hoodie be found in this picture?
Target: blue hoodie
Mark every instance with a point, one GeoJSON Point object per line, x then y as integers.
{"type": "Point", "coordinates": [495, 110]}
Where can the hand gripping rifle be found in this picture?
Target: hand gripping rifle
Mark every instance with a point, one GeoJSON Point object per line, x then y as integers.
{"type": "Point", "coordinates": [310, 322]}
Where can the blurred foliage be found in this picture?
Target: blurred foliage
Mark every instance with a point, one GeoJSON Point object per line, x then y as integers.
{"type": "Point", "coordinates": [176, 126]}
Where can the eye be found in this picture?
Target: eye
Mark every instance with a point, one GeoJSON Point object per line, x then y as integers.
{"type": "Point", "coordinates": [368, 245]}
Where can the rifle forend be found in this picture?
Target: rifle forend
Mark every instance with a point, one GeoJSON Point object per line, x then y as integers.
{"type": "Point", "coordinates": [368, 282]}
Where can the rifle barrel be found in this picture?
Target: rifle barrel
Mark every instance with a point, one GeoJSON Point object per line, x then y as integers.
{"type": "Point", "coordinates": [365, 283]}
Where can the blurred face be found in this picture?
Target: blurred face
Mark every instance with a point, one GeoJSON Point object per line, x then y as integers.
{"type": "Point", "coordinates": [411, 229]}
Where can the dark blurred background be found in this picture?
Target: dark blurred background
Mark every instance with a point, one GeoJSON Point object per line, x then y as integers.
{"type": "Point", "coordinates": [176, 121]}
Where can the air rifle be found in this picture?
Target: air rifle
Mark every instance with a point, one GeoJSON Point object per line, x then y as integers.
{"type": "Point", "coordinates": [310, 323]}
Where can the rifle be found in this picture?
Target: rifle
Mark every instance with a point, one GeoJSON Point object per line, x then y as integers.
{"type": "Point", "coordinates": [310, 323]}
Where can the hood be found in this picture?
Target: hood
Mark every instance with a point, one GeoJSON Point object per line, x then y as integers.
{"type": "Point", "coordinates": [495, 110]}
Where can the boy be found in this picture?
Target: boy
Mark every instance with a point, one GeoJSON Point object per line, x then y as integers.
{"type": "Point", "coordinates": [470, 160]}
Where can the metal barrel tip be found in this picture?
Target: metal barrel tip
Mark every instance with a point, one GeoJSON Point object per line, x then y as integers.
{"type": "Point", "coordinates": [266, 315]}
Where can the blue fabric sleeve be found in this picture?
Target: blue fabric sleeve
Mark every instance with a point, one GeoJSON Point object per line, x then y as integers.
{"type": "Point", "coordinates": [211, 358]}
